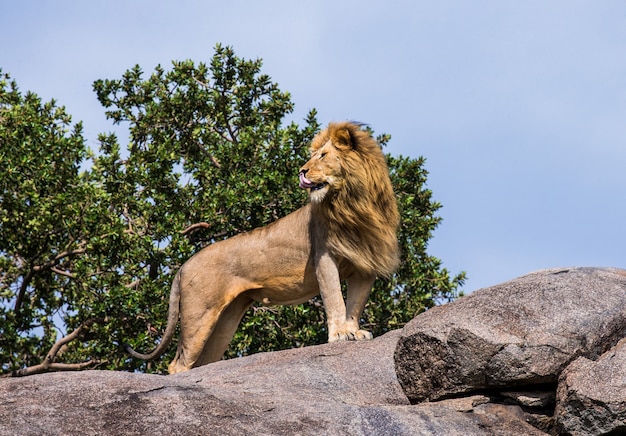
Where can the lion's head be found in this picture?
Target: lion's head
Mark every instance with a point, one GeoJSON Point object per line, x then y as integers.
{"type": "Point", "coordinates": [349, 186]}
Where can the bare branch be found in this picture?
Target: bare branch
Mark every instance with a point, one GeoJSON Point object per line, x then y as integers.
{"type": "Point", "coordinates": [126, 215]}
{"type": "Point", "coordinates": [20, 294]}
{"type": "Point", "coordinates": [215, 161]}
{"type": "Point", "coordinates": [232, 133]}
{"type": "Point", "coordinates": [133, 285]}
{"type": "Point", "coordinates": [38, 268]}
{"type": "Point", "coordinates": [50, 367]}
{"type": "Point", "coordinates": [63, 273]}
{"type": "Point", "coordinates": [73, 366]}
{"type": "Point", "coordinates": [201, 83]}
{"type": "Point", "coordinates": [57, 259]}
{"type": "Point", "coordinates": [49, 363]}
{"type": "Point", "coordinates": [194, 227]}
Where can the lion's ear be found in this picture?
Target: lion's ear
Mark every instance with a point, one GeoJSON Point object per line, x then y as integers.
{"type": "Point", "coordinates": [342, 138]}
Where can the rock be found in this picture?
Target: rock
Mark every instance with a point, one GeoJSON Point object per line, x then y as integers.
{"type": "Point", "coordinates": [592, 395]}
{"type": "Point", "coordinates": [514, 336]}
{"type": "Point", "coordinates": [332, 389]}
{"type": "Point", "coordinates": [487, 364]}
{"type": "Point", "coordinates": [535, 399]}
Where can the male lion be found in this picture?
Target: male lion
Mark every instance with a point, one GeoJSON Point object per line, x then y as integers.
{"type": "Point", "coordinates": [347, 232]}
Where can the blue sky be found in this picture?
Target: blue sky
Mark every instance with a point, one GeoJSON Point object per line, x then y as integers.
{"type": "Point", "coordinates": [518, 107]}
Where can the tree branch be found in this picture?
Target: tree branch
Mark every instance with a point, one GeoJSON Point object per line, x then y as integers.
{"type": "Point", "coordinates": [63, 273]}
{"type": "Point", "coordinates": [38, 268]}
{"type": "Point", "coordinates": [215, 161]}
{"type": "Point", "coordinates": [194, 227]}
{"type": "Point", "coordinates": [126, 215]}
{"type": "Point", "coordinates": [202, 225]}
{"type": "Point", "coordinates": [20, 294]}
{"type": "Point", "coordinates": [49, 363]}
{"type": "Point", "coordinates": [133, 285]}
{"type": "Point", "coordinates": [57, 259]}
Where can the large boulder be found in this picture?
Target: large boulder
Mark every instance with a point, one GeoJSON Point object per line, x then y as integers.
{"type": "Point", "coordinates": [591, 397]}
{"type": "Point", "coordinates": [486, 364]}
{"type": "Point", "coordinates": [332, 389]}
{"type": "Point", "coordinates": [518, 335]}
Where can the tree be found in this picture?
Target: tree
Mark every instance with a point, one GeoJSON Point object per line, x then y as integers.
{"type": "Point", "coordinates": [43, 217]}
{"type": "Point", "coordinates": [208, 157]}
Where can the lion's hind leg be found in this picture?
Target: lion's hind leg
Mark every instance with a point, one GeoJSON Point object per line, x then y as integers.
{"type": "Point", "coordinates": [224, 330]}
{"type": "Point", "coordinates": [197, 324]}
{"type": "Point", "coordinates": [205, 336]}
{"type": "Point", "coordinates": [192, 340]}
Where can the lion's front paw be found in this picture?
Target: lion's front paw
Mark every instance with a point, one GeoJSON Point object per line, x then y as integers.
{"type": "Point", "coordinates": [338, 337]}
{"type": "Point", "coordinates": [363, 335]}
{"type": "Point", "coordinates": [349, 335]}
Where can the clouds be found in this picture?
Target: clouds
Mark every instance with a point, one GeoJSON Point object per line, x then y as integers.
{"type": "Point", "coordinates": [519, 108]}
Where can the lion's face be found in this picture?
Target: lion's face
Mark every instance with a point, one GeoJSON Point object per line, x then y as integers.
{"type": "Point", "coordinates": [323, 172]}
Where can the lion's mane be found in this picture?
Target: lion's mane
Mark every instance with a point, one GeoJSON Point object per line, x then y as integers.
{"type": "Point", "coordinates": [363, 216]}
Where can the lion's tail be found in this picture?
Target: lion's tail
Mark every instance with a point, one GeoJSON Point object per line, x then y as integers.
{"type": "Point", "coordinates": [172, 321]}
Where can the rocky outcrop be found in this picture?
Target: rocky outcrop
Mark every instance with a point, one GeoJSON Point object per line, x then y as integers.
{"type": "Point", "coordinates": [513, 341]}
{"type": "Point", "coordinates": [335, 389]}
{"type": "Point", "coordinates": [487, 364]}
{"type": "Point", "coordinates": [591, 397]}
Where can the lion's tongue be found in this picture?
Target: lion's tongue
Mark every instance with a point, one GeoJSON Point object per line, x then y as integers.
{"type": "Point", "coordinates": [305, 183]}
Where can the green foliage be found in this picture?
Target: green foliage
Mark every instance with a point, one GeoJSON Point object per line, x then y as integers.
{"type": "Point", "coordinates": [207, 145]}
{"type": "Point", "coordinates": [44, 200]}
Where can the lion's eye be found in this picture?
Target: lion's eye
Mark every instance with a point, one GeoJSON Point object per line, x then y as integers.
{"type": "Point", "coordinates": [322, 155]}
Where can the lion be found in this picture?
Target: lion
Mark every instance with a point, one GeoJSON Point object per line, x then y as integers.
{"type": "Point", "coordinates": [346, 232]}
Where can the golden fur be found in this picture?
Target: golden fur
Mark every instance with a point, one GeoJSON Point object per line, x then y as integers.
{"type": "Point", "coordinates": [347, 232]}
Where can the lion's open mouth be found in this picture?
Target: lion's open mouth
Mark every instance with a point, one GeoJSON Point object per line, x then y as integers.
{"type": "Point", "coordinates": [307, 184]}
{"type": "Point", "coordinates": [318, 186]}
